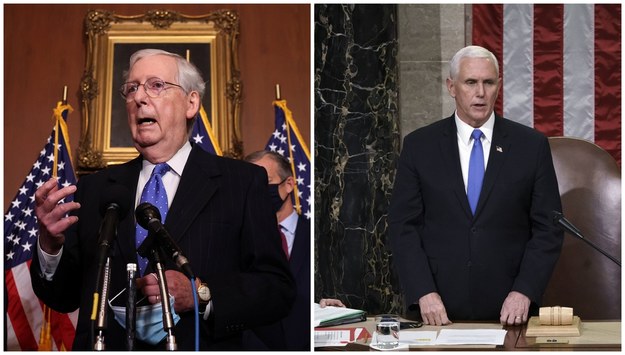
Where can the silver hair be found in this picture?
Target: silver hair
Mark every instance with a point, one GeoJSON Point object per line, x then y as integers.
{"type": "Point", "coordinates": [470, 52]}
{"type": "Point", "coordinates": [189, 76]}
{"type": "Point", "coordinates": [284, 167]}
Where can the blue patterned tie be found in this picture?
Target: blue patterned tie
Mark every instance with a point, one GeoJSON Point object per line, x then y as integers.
{"type": "Point", "coordinates": [476, 170]}
{"type": "Point", "coordinates": [154, 193]}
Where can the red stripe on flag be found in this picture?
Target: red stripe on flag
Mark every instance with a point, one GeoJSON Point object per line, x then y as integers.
{"type": "Point", "coordinates": [62, 330]}
{"type": "Point", "coordinates": [608, 78]}
{"type": "Point", "coordinates": [549, 69]}
{"type": "Point", "coordinates": [18, 317]}
{"type": "Point", "coordinates": [488, 33]}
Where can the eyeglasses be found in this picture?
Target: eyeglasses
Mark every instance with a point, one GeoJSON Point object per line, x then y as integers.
{"type": "Point", "coordinates": [153, 87]}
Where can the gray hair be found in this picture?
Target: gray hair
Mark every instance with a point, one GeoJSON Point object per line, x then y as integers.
{"type": "Point", "coordinates": [284, 167]}
{"type": "Point", "coordinates": [189, 76]}
{"type": "Point", "coordinates": [470, 52]}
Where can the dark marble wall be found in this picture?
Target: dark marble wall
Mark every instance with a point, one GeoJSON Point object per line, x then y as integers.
{"type": "Point", "coordinates": [356, 149]}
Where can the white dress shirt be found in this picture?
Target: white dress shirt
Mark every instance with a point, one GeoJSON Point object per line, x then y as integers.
{"type": "Point", "coordinates": [465, 143]}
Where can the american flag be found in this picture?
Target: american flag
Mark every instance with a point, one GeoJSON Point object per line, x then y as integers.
{"type": "Point", "coordinates": [560, 65]}
{"type": "Point", "coordinates": [25, 312]}
{"type": "Point", "coordinates": [287, 135]}
{"type": "Point", "coordinates": [202, 134]}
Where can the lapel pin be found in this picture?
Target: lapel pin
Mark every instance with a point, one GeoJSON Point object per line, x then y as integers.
{"type": "Point", "coordinates": [499, 149]}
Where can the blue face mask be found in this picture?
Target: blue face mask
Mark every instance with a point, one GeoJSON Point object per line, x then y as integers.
{"type": "Point", "coordinates": [149, 320]}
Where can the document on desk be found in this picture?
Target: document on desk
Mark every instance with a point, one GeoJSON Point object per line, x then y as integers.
{"type": "Point", "coordinates": [471, 337]}
{"type": "Point", "coordinates": [418, 337]}
{"type": "Point", "coordinates": [339, 337]}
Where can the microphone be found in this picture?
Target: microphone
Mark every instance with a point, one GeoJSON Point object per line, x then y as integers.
{"type": "Point", "coordinates": [114, 205]}
{"type": "Point", "coordinates": [149, 217]}
{"type": "Point", "coordinates": [560, 220]}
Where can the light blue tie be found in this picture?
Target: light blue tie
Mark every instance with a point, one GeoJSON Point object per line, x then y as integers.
{"type": "Point", "coordinates": [154, 193]}
{"type": "Point", "coordinates": [476, 170]}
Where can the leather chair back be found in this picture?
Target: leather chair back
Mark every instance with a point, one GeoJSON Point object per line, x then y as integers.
{"type": "Point", "coordinates": [589, 180]}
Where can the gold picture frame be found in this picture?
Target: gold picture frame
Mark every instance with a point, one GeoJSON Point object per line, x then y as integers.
{"type": "Point", "coordinates": [111, 38]}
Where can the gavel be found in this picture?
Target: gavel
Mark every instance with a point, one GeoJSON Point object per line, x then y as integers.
{"type": "Point", "coordinates": [556, 315]}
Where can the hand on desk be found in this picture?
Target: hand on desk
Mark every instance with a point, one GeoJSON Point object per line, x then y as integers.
{"type": "Point", "coordinates": [515, 308]}
{"type": "Point", "coordinates": [433, 310]}
{"type": "Point", "coordinates": [330, 302]}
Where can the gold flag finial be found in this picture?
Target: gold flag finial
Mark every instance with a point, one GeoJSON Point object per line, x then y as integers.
{"type": "Point", "coordinates": [278, 92]}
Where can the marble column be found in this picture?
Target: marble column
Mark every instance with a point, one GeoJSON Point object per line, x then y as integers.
{"type": "Point", "coordinates": [429, 35]}
{"type": "Point", "coordinates": [356, 149]}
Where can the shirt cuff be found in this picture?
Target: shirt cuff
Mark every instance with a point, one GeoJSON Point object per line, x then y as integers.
{"type": "Point", "coordinates": [48, 262]}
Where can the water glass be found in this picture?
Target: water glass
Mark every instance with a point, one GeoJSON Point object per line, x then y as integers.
{"type": "Point", "coordinates": [387, 331]}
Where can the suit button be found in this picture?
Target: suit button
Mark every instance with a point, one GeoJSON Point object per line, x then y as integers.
{"type": "Point", "coordinates": [469, 263]}
{"type": "Point", "coordinates": [474, 230]}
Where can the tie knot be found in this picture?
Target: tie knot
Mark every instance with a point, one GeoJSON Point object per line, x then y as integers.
{"type": "Point", "coordinates": [160, 169]}
{"type": "Point", "coordinates": [477, 135]}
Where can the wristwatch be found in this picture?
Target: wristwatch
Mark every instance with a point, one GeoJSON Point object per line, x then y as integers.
{"type": "Point", "coordinates": [203, 293]}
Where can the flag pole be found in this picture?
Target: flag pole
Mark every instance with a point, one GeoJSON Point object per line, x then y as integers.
{"type": "Point", "coordinates": [291, 159]}
{"type": "Point", "coordinates": [45, 340]}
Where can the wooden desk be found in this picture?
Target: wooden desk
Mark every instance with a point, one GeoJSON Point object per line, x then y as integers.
{"type": "Point", "coordinates": [595, 335]}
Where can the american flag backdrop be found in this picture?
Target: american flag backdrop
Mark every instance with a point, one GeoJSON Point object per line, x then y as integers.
{"type": "Point", "coordinates": [561, 67]}
{"type": "Point", "coordinates": [287, 135]}
{"type": "Point", "coordinates": [202, 134]}
{"type": "Point", "coordinates": [25, 312]}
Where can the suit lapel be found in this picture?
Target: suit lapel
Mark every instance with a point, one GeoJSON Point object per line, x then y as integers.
{"type": "Point", "coordinates": [499, 149]}
{"type": "Point", "coordinates": [451, 158]}
{"type": "Point", "coordinates": [126, 230]}
{"type": "Point", "coordinates": [200, 179]}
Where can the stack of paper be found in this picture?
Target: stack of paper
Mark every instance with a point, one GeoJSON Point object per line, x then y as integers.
{"type": "Point", "coordinates": [339, 336]}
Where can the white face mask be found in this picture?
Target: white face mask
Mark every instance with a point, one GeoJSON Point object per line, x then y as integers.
{"type": "Point", "coordinates": [149, 320]}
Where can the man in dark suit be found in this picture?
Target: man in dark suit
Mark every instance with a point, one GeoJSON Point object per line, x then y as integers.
{"type": "Point", "coordinates": [470, 219]}
{"type": "Point", "coordinates": [295, 235]}
{"type": "Point", "coordinates": [219, 214]}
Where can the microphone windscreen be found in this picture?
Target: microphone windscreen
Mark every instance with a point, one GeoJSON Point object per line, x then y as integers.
{"type": "Point", "coordinates": [116, 194]}
{"type": "Point", "coordinates": [146, 212]}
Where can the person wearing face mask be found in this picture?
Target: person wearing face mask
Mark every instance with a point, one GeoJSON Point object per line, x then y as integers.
{"type": "Point", "coordinates": [295, 237]}
{"type": "Point", "coordinates": [216, 209]}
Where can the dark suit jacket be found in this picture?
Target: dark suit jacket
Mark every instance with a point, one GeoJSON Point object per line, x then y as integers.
{"type": "Point", "coordinates": [292, 332]}
{"type": "Point", "coordinates": [297, 324]}
{"type": "Point", "coordinates": [221, 219]}
{"type": "Point", "coordinates": [474, 262]}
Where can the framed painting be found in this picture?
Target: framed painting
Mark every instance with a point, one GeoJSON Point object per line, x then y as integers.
{"type": "Point", "coordinates": [208, 41]}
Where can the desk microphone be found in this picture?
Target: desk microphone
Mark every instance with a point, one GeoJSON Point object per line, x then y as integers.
{"type": "Point", "coordinates": [561, 221]}
{"type": "Point", "coordinates": [149, 217]}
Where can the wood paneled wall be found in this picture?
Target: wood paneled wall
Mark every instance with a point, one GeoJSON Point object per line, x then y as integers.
{"type": "Point", "coordinates": [44, 49]}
